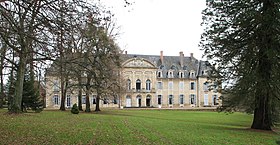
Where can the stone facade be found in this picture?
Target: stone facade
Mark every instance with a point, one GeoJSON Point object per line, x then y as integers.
{"type": "Point", "coordinates": [152, 81]}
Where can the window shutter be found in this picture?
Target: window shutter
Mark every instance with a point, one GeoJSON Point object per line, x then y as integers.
{"type": "Point", "coordinates": [194, 86]}
{"type": "Point", "coordinates": [190, 98]}
{"type": "Point", "coordinates": [172, 99]}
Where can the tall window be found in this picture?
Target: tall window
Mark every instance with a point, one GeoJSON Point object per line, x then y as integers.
{"type": "Point", "coordinates": [68, 100]}
{"type": "Point", "coordinates": [170, 85]}
{"type": "Point", "coordinates": [192, 99]}
{"type": "Point", "coordinates": [159, 99]}
{"type": "Point", "coordinates": [170, 99]}
{"type": "Point", "coordinates": [128, 84]}
{"type": "Point", "coordinates": [56, 100]}
{"type": "Point", "coordinates": [205, 86]}
{"type": "Point", "coordinates": [215, 102]}
{"type": "Point", "coordinates": [205, 99]}
{"type": "Point", "coordinates": [159, 85]}
{"type": "Point", "coordinates": [192, 86]}
{"type": "Point", "coordinates": [94, 99]}
{"type": "Point", "coordinates": [181, 99]}
{"type": "Point", "coordinates": [83, 99]}
{"type": "Point", "coordinates": [181, 85]}
{"type": "Point", "coordinates": [55, 86]}
{"type": "Point", "coordinates": [138, 85]}
{"type": "Point", "coordinates": [148, 85]}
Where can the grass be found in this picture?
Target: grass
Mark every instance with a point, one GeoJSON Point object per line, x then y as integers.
{"type": "Point", "coordinates": [132, 127]}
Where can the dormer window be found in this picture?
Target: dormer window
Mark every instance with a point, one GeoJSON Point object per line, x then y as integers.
{"type": "Point", "coordinates": [170, 74]}
{"type": "Point", "coordinates": [181, 75]}
{"type": "Point", "coordinates": [159, 74]}
{"type": "Point", "coordinates": [192, 74]}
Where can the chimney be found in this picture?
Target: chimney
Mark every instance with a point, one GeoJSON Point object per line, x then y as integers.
{"type": "Point", "coordinates": [125, 52]}
{"type": "Point", "coordinates": [181, 58]}
{"type": "Point", "coordinates": [161, 57]}
{"type": "Point", "coordinates": [191, 56]}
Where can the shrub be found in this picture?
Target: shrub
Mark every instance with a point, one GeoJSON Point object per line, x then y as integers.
{"type": "Point", "coordinates": [75, 109]}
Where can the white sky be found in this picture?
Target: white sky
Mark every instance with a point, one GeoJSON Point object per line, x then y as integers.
{"type": "Point", "coordinates": [149, 26]}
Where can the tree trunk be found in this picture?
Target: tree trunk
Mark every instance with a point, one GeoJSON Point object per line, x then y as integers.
{"type": "Point", "coordinates": [262, 113]}
{"type": "Point", "coordinates": [87, 94]}
{"type": "Point", "coordinates": [3, 52]}
{"type": "Point", "coordinates": [80, 100]}
{"type": "Point", "coordinates": [97, 103]}
{"type": "Point", "coordinates": [17, 99]}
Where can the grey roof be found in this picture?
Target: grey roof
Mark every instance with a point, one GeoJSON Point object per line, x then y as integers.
{"type": "Point", "coordinates": [173, 63]}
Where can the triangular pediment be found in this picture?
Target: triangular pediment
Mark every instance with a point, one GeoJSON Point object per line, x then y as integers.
{"type": "Point", "coordinates": [138, 62]}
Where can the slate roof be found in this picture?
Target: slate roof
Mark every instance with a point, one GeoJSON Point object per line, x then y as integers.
{"type": "Point", "coordinates": [173, 63]}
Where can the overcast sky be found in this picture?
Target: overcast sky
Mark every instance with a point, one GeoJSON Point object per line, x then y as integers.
{"type": "Point", "coordinates": [149, 26]}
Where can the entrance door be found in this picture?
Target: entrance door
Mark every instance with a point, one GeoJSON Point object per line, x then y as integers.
{"type": "Point", "coordinates": [128, 101]}
{"type": "Point", "coordinates": [138, 98]}
{"type": "Point", "coordinates": [139, 102]}
{"type": "Point", "coordinates": [148, 101]}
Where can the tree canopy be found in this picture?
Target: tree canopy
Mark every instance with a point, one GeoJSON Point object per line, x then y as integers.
{"type": "Point", "coordinates": [241, 40]}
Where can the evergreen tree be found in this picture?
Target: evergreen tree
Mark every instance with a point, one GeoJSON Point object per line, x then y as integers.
{"type": "Point", "coordinates": [31, 98]}
{"type": "Point", "coordinates": [241, 39]}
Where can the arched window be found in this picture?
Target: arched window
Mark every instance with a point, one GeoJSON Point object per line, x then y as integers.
{"type": "Point", "coordinates": [138, 85]}
{"type": "Point", "coordinates": [129, 84]}
{"type": "Point", "coordinates": [148, 85]}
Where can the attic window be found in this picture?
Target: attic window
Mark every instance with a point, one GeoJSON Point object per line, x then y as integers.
{"type": "Point", "coordinates": [173, 67]}
{"type": "Point", "coordinates": [181, 75]}
{"type": "Point", "coordinates": [170, 74]}
{"type": "Point", "coordinates": [159, 74]}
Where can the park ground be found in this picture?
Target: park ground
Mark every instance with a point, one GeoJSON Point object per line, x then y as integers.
{"type": "Point", "coordinates": [132, 126]}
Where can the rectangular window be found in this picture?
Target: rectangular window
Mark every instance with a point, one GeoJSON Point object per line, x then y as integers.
{"type": "Point", "coordinates": [181, 85]}
{"type": "Point", "coordinates": [159, 99]}
{"type": "Point", "coordinates": [84, 99]}
{"type": "Point", "coordinates": [56, 100]}
{"type": "Point", "coordinates": [181, 99]}
{"type": "Point", "coordinates": [159, 85]}
{"type": "Point", "coordinates": [192, 99]}
{"type": "Point", "coordinates": [205, 99]}
{"type": "Point", "coordinates": [170, 85]}
{"type": "Point", "coordinates": [68, 101]}
{"type": "Point", "coordinates": [94, 99]}
{"type": "Point", "coordinates": [205, 86]}
{"type": "Point", "coordinates": [55, 86]}
{"type": "Point", "coordinates": [192, 86]}
{"type": "Point", "coordinates": [170, 99]}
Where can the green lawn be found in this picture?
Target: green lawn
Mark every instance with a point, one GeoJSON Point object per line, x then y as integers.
{"type": "Point", "coordinates": [132, 127]}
